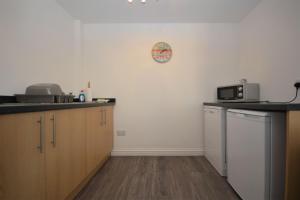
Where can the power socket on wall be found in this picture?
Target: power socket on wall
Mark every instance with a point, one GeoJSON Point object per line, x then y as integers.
{"type": "Point", "coordinates": [121, 133]}
{"type": "Point", "coordinates": [297, 84]}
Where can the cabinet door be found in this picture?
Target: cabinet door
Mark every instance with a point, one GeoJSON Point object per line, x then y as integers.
{"type": "Point", "coordinates": [95, 132]}
{"type": "Point", "coordinates": [292, 180]}
{"type": "Point", "coordinates": [214, 138]}
{"type": "Point", "coordinates": [22, 157]}
{"type": "Point", "coordinates": [108, 129]}
{"type": "Point", "coordinates": [65, 158]}
{"type": "Point", "coordinates": [248, 163]}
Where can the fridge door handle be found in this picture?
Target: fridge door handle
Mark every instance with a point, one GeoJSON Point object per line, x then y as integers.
{"type": "Point", "coordinates": [210, 111]}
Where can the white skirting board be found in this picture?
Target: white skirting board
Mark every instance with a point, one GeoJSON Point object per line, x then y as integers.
{"type": "Point", "coordinates": [158, 152]}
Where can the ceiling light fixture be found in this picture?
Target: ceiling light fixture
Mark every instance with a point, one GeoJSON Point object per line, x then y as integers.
{"type": "Point", "coordinates": [131, 1]}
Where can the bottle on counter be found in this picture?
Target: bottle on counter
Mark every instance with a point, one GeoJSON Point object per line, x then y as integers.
{"type": "Point", "coordinates": [88, 93]}
{"type": "Point", "coordinates": [82, 96]}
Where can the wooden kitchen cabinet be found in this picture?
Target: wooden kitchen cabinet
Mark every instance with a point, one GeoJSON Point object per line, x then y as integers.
{"type": "Point", "coordinates": [108, 129]}
{"type": "Point", "coordinates": [22, 153]}
{"type": "Point", "coordinates": [66, 156]}
{"type": "Point", "coordinates": [99, 135]}
{"type": "Point", "coordinates": [52, 155]}
{"type": "Point", "coordinates": [293, 156]}
{"type": "Point", "coordinates": [94, 136]}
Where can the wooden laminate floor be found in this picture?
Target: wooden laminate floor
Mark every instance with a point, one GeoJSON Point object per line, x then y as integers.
{"type": "Point", "coordinates": [157, 178]}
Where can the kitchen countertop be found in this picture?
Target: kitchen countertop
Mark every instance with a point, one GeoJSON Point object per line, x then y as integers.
{"type": "Point", "coordinates": [264, 106]}
{"type": "Point", "coordinates": [12, 108]}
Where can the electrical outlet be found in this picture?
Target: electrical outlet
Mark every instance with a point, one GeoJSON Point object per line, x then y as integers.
{"type": "Point", "coordinates": [297, 84]}
{"type": "Point", "coordinates": [121, 133]}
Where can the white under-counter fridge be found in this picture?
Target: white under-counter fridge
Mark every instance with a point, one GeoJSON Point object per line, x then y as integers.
{"type": "Point", "coordinates": [256, 154]}
{"type": "Point", "coordinates": [215, 137]}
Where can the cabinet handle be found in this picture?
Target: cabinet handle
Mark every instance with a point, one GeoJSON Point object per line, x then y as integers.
{"type": "Point", "coordinates": [101, 118]}
{"type": "Point", "coordinates": [252, 116]}
{"type": "Point", "coordinates": [53, 142]}
{"type": "Point", "coordinates": [105, 118]}
{"type": "Point", "coordinates": [41, 145]}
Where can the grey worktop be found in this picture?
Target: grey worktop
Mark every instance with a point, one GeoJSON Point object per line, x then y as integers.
{"type": "Point", "coordinates": [12, 108]}
{"type": "Point", "coordinates": [276, 107]}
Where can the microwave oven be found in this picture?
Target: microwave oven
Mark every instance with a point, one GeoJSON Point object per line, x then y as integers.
{"type": "Point", "coordinates": [247, 92]}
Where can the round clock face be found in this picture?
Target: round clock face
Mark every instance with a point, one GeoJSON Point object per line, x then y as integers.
{"type": "Point", "coordinates": [162, 52]}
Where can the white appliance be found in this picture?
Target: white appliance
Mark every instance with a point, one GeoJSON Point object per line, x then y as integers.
{"type": "Point", "coordinates": [256, 154]}
{"type": "Point", "coordinates": [245, 92]}
{"type": "Point", "coordinates": [215, 137]}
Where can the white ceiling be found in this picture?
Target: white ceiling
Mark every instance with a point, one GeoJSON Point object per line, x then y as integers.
{"type": "Point", "coordinates": [158, 11]}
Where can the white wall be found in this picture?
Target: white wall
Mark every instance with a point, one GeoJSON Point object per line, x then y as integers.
{"type": "Point", "coordinates": [159, 105]}
{"type": "Point", "coordinates": [36, 45]}
{"type": "Point", "coordinates": [270, 48]}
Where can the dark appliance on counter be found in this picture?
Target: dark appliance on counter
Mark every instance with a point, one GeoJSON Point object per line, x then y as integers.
{"type": "Point", "coordinates": [44, 93]}
{"type": "Point", "coordinates": [7, 99]}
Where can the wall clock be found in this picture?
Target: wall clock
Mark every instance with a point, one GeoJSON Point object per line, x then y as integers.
{"type": "Point", "coordinates": [162, 52]}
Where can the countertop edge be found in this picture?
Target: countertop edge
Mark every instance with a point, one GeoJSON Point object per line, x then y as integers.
{"type": "Point", "coordinates": [17, 109]}
{"type": "Point", "coordinates": [274, 107]}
